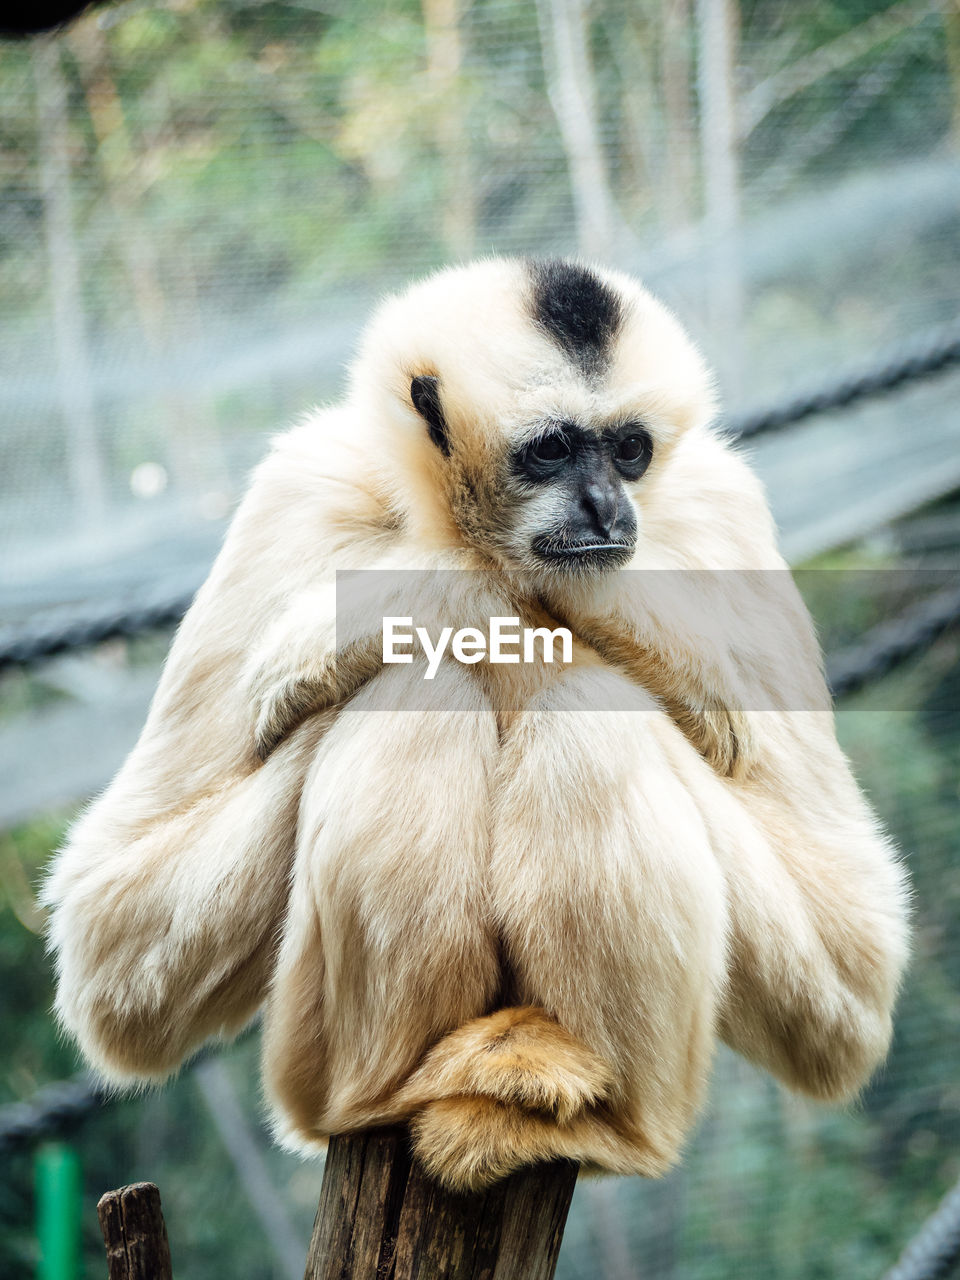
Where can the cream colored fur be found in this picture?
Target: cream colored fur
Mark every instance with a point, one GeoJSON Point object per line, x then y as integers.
{"type": "Point", "coordinates": [520, 920]}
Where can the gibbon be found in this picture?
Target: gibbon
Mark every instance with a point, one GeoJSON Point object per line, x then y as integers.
{"type": "Point", "coordinates": [520, 916]}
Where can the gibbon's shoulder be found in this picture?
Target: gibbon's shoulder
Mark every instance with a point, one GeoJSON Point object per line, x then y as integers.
{"type": "Point", "coordinates": [324, 445]}
{"type": "Point", "coordinates": [709, 502]}
{"type": "Point", "coordinates": [319, 468]}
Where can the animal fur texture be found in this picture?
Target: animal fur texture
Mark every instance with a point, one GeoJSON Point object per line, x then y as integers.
{"type": "Point", "coordinates": [519, 919]}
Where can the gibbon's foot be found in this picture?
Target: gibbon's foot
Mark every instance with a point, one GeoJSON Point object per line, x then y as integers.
{"type": "Point", "coordinates": [516, 1055]}
{"type": "Point", "coordinates": [469, 1143]}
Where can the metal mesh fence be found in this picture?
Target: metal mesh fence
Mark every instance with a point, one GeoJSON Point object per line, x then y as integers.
{"type": "Point", "coordinates": [199, 202]}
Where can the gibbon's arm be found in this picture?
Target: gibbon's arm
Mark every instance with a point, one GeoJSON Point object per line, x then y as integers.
{"type": "Point", "coordinates": [167, 896]}
{"type": "Point", "coordinates": [302, 667]}
{"type": "Point", "coordinates": [818, 908]}
{"type": "Point", "coordinates": [818, 903]}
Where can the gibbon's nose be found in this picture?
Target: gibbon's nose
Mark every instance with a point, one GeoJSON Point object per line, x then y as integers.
{"type": "Point", "coordinates": [600, 503]}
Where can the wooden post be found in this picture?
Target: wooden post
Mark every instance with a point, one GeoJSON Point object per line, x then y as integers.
{"type": "Point", "coordinates": [134, 1232]}
{"type": "Point", "coordinates": [381, 1218]}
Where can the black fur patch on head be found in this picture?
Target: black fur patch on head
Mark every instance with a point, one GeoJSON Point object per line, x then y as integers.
{"type": "Point", "coordinates": [425, 395]}
{"type": "Point", "coordinates": [580, 313]}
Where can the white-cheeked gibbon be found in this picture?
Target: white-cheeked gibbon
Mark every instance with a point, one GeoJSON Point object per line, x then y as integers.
{"type": "Point", "coordinates": [519, 918]}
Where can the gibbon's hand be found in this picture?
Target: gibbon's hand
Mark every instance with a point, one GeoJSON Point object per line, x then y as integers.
{"type": "Point", "coordinates": [720, 731]}
{"type": "Point", "coordinates": [705, 705]}
{"type": "Point", "coordinates": [698, 692]}
{"type": "Point", "coordinates": [284, 702]}
{"type": "Point", "coordinates": [300, 669]}
{"type": "Point", "coordinates": [322, 650]}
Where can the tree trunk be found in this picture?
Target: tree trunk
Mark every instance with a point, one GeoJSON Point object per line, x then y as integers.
{"type": "Point", "coordinates": [951, 24]}
{"type": "Point", "coordinates": [717, 31]}
{"type": "Point", "coordinates": [381, 1218]}
{"type": "Point", "coordinates": [442, 27]}
{"type": "Point", "coordinates": [246, 1152]}
{"type": "Point", "coordinates": [564, 38]}
{"type": "Point", "coordinates": [679, 131]}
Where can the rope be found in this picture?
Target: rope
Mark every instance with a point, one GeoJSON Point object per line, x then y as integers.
{"type": "Point", "coordinates": [54, 1112]}
{"type": "Point", "coordinates": [889, 644]}
{"type": "Point", "coordinates": [58, 1109]}
{"type": "Point", "coordinates": [885, 647]}
{"type": "Point", "coordinates": [932, 354]}
{"type": "Point", "coordinates": [26, 645]}
{"type": "Point", "coordinates": [935, 1249]}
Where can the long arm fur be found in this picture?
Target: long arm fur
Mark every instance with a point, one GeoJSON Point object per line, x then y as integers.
{"type": "Point", "coordinates": [167, 898]}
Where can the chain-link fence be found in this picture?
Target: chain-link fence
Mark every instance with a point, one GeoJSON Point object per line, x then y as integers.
{"type": "Point", "coordinates": [200, 200]}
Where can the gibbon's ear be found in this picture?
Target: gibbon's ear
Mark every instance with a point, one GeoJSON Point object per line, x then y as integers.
{"type": "Point", "coordinates": [425, 394]}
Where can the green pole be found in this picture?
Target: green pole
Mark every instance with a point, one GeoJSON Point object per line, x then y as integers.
{"type": "Point", "coordinates": [57, 1170]}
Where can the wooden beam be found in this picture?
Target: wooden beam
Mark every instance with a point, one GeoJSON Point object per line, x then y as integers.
{"type": "Point", "coordinates": [381, 1218]}
{"type": "Point", "coordinates": [135, 1234]}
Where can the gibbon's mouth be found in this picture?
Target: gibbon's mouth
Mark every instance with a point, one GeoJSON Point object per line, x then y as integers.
{"type": "Point", "coordinates": [599, 555]}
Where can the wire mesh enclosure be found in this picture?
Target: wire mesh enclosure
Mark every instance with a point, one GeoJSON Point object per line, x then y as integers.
{"type": "Point", "coordinates": [200, 200]}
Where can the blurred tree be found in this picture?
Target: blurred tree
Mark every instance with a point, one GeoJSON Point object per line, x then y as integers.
{"type": "Point", "coordinates": [192, 446]}
{"type": "Point", "coordinates": [951, 23]}
{"type": "Point", "coordinates": [442, 20]}
{"type": "Point", "coordinates": [717, 27]}
{"type": "Point", "coordinates": [565, 40]}
{"type": "Point", "coordinates": [676, 95]}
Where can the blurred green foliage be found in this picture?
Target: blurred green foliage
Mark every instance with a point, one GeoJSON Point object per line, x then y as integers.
{"type": "Point", "coordinates": [179, 113]}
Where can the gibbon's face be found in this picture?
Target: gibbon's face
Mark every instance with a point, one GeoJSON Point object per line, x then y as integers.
{"type": "Point", "coordinates": [570, 487]}
{"type": "Point", "coordinates": [562, 496]}
{"type": "Point", "coordinates": [549, 396]}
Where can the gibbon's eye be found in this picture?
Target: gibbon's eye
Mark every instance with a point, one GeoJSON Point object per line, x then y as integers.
{"type": "Point", "coordinates": [633, 452]}
{"type": "Point", "coordinates": [629, 450]}
{"type": "Point", "coordinates": [551, 448]}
